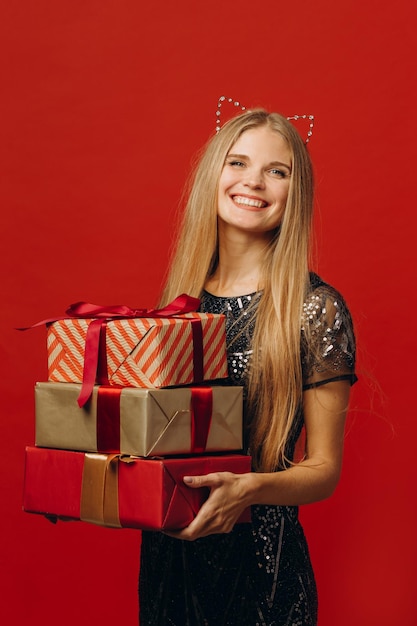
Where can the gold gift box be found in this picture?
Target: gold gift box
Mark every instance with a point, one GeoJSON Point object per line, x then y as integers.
{"type": "Point", "coordinates": [140, 422]}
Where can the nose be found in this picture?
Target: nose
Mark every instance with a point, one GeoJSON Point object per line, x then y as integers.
{"type": "Point", "coordinates": [255, 179]}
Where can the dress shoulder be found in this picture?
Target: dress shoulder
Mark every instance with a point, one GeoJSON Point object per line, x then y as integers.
{"type": "Point", "coordinates": [328, 338]}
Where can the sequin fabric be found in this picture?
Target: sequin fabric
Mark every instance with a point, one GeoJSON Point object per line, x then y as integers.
{"type": "Point", "coordinates": [327, 321]}
{"type": "Point", "coordinates": [260, 574]}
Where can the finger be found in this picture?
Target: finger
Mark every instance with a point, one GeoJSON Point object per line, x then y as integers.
{"type": "Point", "coordinates": [190, 533]}
{"type": "Point", "coordinates": [200, 526]}
{"type": "Point", "coordinates": [175, 534]}
{"type": "Point", "coordinates": [207, 480]}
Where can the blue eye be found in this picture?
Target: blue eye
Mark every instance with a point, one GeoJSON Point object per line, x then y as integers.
{"type": "Point", "coordinates": [235, 163]}
{"type": "Point", "coordinates": [279, 173]}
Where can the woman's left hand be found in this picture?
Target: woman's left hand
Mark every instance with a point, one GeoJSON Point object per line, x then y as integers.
{"type": "Point", "coordinates": [222, 509]}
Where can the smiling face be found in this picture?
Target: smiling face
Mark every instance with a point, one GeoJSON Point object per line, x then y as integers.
{"type": "Point", "coordinates": [254, 182]}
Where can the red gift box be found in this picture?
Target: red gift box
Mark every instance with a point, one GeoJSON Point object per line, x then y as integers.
{"type": "Point", "coordinates": [121, 492]}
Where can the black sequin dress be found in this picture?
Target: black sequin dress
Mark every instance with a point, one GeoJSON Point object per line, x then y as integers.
{"type": "Point", "coordinates": [260, 574]}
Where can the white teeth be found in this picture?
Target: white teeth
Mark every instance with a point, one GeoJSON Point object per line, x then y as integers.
{"type": "Point", "coordinates": [259, 204]}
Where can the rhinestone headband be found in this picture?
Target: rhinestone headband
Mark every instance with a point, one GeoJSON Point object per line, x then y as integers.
{"type": "Point", "coordinates": [237, 104]}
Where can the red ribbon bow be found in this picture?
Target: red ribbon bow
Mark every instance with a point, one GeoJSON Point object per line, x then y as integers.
{"type": "Point", "coordinates": [182, 304]}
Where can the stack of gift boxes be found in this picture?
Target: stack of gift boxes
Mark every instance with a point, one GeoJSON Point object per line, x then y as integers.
{"type": "Point", "coordinates": [130, 407]}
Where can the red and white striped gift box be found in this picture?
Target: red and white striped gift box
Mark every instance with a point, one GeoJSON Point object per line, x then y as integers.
{"type": "Point", "coordinates": [140, 352]}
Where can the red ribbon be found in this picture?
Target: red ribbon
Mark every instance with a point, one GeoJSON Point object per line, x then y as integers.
{"type": "Point", "coordinates": [96, 331]}
{"type": "Point", "coordinates": [108, 418]}
{"type": "Point", "coordinates": [201, 414]}
{"type": "Point", "coordinates": [181, 304]}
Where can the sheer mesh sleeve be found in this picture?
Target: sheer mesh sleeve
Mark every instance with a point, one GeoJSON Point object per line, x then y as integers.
{"type": "Point", "coordinates": [328, 340]}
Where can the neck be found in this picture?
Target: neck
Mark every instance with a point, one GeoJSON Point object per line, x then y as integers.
{"type": "Point", "coordinates": [240, 264]}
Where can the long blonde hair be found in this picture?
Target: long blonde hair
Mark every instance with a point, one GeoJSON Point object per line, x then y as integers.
{"type": "Point", "coordinates": [275, 376]}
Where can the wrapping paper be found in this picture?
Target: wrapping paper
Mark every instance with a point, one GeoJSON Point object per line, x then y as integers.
{"type": "Point", "coordinates": [141, 422]}
{"type": "Point", "coordinates": [139, 352]}
{"type": "Point", "coordinates": [120, 492]}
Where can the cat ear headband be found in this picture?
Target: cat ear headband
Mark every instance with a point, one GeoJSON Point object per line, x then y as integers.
{"type": "Point", "coordinates": [223, 99]}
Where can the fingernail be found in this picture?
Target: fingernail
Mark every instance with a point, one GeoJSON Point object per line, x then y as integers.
{"type": "Point", "coordinates": [188, 479]}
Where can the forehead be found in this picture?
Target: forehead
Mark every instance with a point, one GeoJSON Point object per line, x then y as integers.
{"type": "Point", "coordinates": [262, 142]}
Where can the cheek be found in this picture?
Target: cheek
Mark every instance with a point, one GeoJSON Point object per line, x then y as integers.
{"type": "Point", "coordinates": [227, 179]}
{"type": "Point", "coordinates": [282, 195]}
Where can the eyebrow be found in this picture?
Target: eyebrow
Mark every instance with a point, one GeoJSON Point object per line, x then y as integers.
{"type": "Point", "coordinates": [273, 163]}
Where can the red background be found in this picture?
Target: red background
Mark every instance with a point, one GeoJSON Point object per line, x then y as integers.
{"type": "Point", "coordinates": [104, 104]}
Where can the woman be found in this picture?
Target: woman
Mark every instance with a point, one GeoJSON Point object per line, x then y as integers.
{"type": "Point", "coordinates": [243, 249]}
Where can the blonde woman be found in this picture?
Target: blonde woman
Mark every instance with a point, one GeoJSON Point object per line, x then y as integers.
{"type": "Point", "coordinates": [243, 248]}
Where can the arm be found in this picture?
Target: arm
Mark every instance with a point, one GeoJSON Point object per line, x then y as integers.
{"type": "Point", "coordinates": [315, 478]}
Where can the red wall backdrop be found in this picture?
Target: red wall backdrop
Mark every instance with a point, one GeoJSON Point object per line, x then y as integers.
{"type": "Point", "coordinates": [103, 106]}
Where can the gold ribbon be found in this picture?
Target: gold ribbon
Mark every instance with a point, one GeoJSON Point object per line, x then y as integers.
{"type": "Point", "coordinates": [99, 491]}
